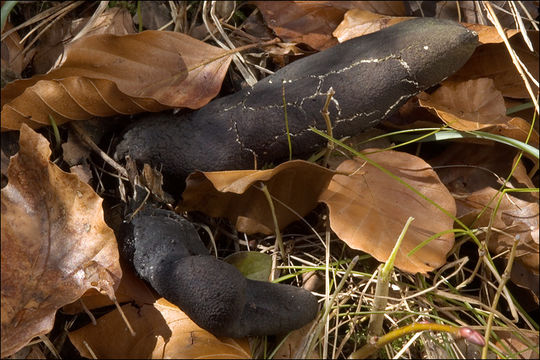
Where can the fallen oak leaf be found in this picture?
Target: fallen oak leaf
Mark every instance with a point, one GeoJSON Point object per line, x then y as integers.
{"type": "Point", "coordinates": [55, 243]}
{"type": "Point", "coordinates": [368, 209]}
{"type": "Point", "coordinates": [234, 195]}
{"type": "Point", "coordinates": [162, 331]}
{"type": "Point", "coordinates": [108, 74]}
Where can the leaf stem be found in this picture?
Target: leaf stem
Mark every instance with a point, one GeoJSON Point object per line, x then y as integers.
{"type": "Point", "coordinates": [378, 343]}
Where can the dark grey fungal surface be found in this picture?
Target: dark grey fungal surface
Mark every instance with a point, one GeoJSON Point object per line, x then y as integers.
{"type": "Point", "coordinates": [165, 250]}
{"type": "Point", "coordinates": [372, 76]}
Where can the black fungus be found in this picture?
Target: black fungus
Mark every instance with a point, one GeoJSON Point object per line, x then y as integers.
{"type": "Point", "coordinates": [372, 76]}
{"type": "Point", "coordinates": [166, 251]}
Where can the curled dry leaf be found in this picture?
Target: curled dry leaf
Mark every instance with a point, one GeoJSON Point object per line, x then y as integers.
{"type": "Point", "coordinates": [520, 345]}
{"type": "Point", "coordinates": [358, 22]}
{"type": "Point", "coordinates": [105, 75]}
{"type": "Point", "coordinates": [470, 105]}
{"type": "Point", "coordinates": [13, 60]}
{"type": "Point", "coordinates": [312, 23]}
{"type": "Point", "coordinates": [368, 209]}
{"type": "Point", "coordinates": [162, 332]}
{"type": "Point", "coordinates": [476, 175]}
{"type": "Point", "coordinates": [55, 243]}
{"type": "Point", "coordinates": [474, 105]}
{"type": "Point", "coordinates": [517, 128]}
{"type": "Point", "coordinates": [493, 61]}
{"type": "Point", "coordinates": [296, 342]}
{"type": "Point", "coordinates": [489, 34]}
{"type": "Point", "coordinates": [53, 43]}
{"type": "Point", "coordinates": [237, 196]}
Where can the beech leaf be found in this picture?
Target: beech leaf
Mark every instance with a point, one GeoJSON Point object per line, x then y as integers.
{"type": "Point", "coordinates": [55, 243]}
{"type": "Point", "coordinates": [106, 74]}
{"type": "Point", "coordinates": [358, 22]}
{"type": "Point", "coordinates": [312, 22]}
{"type": "Point", "coordinates": [493, 61]}
{"type": "Point", "coordinates": [470, 105]}
{"type": "Point", "coordinates": [162, 332]}
{"type": "Point", "coordinates": [236, 196]}
{"type": "Point", "coordinates": [368, 209]}
{"type": "Point", "coordinates": [474, 180]}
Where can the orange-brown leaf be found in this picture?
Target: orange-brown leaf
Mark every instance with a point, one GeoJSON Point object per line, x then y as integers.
{"type": "Point", "coordinates": [162, 332]}
{"type": "Point", "coordinates": [107, 74]}
{"type": "Point", "coordinates": [489, 34]}
{"type": "Point", "coordinates": [312, 22]}
{"type": "Point", "coordinates": [475, 180]}
{"type": "Point", "coordinates": [368, 209]}
{"type": "Point", "coordinates": [55, 243]}
{"type": "Point", "coordinates": [236, 195]}
{"type": "Point", "coordinates": [493, 61]}
{"type": "Point", "coordinates": [358, 22]}
{"type": "Point", "coordinates": [469, 105]}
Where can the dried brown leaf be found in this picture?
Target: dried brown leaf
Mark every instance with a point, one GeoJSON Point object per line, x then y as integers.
{"type": "Point", "coordinates": [474, 105]}
{"type": "Point", "coordinates": [489, 34]}
{"type": "Point", "coordinates": [13, 61]}
{"type": "Point", "coordinates": [106, 74]}
{"type": "Point", "coordinates": [493, 61]}
{"type": "Point", "coordinates": [53, 43]}
{"type": "Point", "coordinates": [236, 195]}
{"type": "Point", "coordinates": [469, 105]}
{"type": "Point", "coordinates": [522, 346]}
{"type": "Point", "coordinates": [358, 22]}
{"type": "Point", "coordinates": [162, 332]}
{"type": "Point", "coordinates": [368, 209]}
{"type": "Point", "coordinates": [474, 179]}
{"type": "Point", "coordinates": [295, 342]}
{"type": "Point", "coordinates": [516, 128]}
{"type": "Point", "coordinates": [55, 244]}
{"type": "Point", "coordinates": [312, 22]}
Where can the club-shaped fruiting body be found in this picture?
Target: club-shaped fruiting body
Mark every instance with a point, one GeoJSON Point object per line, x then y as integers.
{"type": "Point", "coordinates": [166, 251]}
{"type": "Point", "coordinates": [372, 76]}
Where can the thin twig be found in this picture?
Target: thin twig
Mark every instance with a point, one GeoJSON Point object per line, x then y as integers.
{"type": "Point", "coordinates": [502, 286]}
{"type": "Point", "coordinates": [517, 63]}
{"type": "Point", "coordinates": [88, 312]}
{"type": "Point", "coordinates": [279, 240]}
{"type": "Point", "coordinates": [327, 287]}
{"type": "Point", "coordinates": [88, 141]}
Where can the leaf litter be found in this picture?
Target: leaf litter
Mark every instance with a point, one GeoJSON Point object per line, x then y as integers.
{"type": "Point", "coordinates": [514, 213]}
{"type": "Point", "coordinates": [55, 243]}
{"type": "Point", "coordinates": [104, 75]}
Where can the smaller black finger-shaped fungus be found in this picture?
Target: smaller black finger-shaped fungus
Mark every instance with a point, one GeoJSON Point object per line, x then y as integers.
{"type": "Point", "coordinates": [155, 235]}
{"type": "Point", "coordinates": [274, 308]}
{"type": "Point", "coordinates": [166, 251]}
